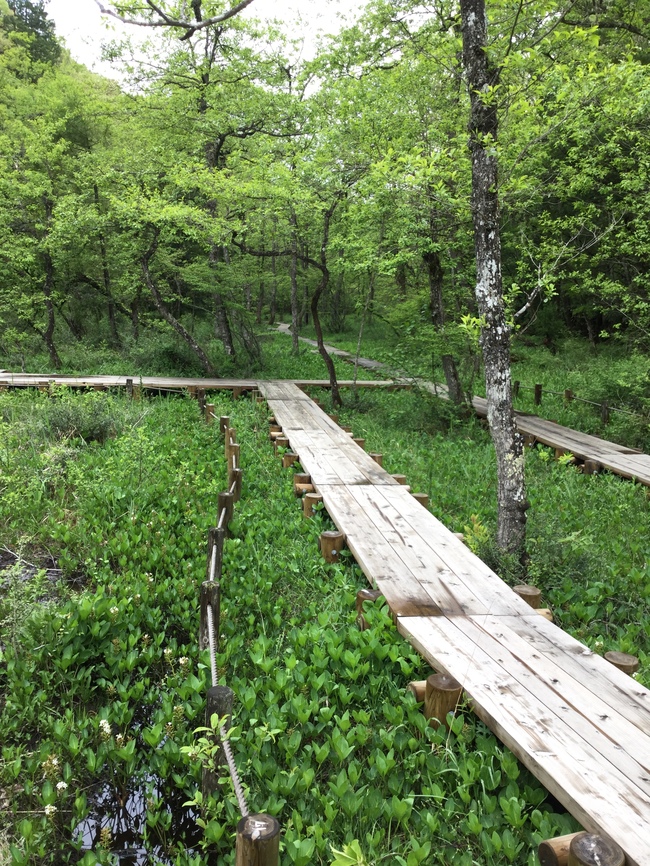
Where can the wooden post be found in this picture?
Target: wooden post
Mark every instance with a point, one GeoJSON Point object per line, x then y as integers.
{"type": "Point", "coordinates": [346, 429]}
{"type": "Point", "coordinates": [209, 413]}
{"type": "Point", "coordinates": [378, 458]}
{"type": "Point", "coordinates": [401, 479]}
{"type": "Point", "coordinates": [200, 396]}
{"type": "Point", "coordinates": [210, 596]}
{"type": "Point", "coordinates": [516, 385]}
{"type": "Point", "coordinates": [234, 451]}
{"type": "Point", "coordinates": [129, 388]}
{"type": "Point", "coordinates": [237, 392]}
{"type": "Point", "coordinates": [224, 424]}
{"type": "Point", "coordinates": [591, 467]}
{"type": "Point", "coordinates": [362, 596]}
{"type": "Point", "coordinates": [227, 507]}
{"type": "Point", "coordinates": [422, 498]}
{"type": "Point", "coordinates": [230, 439]}
{"type": "Point", "coordinates": [529, 441]}
{"type": "Point", "coordinates": [235, 478]}
{"type": "Point", "coordinates": [441, 696]}
{"type": "Point", "coordinates": [360, 442]}
{"type": "Point", "coordinates": [546, 612]}
{"type": "Point", "coordinates": [623, 661]}
{"type": "Point", "coordinates": [301, 481]}
{"type": "Point", "coordinates": [568, 396]}
{"type": "Point", "coordinates": [216, 537]}
{"type": "Point", "coordinates": [587, 849]}
{"type": "Point", "coordinates": [281, 442]}
{"type": "Point", "coordinates": [530, 594]}
{"type": "Point", "coordinates": [258, 841]}
{"type": "Point", "coordinates": [555, 852]}
{"type": "Point", "coordinates": [418, 689]}
{"type": "Point", "coordinates": [460, 536]}
{"type": "Point", "coordinates": [219, 701]}
{"type": "Point", "coordinates": [137, 392]}
{"type": "Point", "coordinates": [538, 395]}
{"type": "Point", "coordinates": [288, 459]}
{"type": "Point", "coordinates": [331, 544]}
{"type": "Point", "coordinates": [308, 502]}
{"type": "Point", "coordinates": [604, 412]}
{"type": "Point", "coordinates": [335, 418]}
{"type": "Point", "coordinates": [272, 421]}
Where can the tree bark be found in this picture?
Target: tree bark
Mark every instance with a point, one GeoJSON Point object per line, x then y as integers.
{"type": "Point", "coordinates": [482, 77]}
{"type": "Point", "coordinates": [166, 314]}
{"type": "Point", "coordinates": [106, 276]}
{"type": "Point", "coordinates": [320, 288]}
{"type": "Point", "coordinates": [48, 289]}
{"type": "Point", "coordinates": [293, 270]}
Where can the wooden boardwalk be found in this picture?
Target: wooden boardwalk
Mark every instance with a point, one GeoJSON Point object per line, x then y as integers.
{"type": "Point", "coordinates": [578, 723]}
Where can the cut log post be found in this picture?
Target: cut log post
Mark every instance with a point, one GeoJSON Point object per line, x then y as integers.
{"type": "Point", "coordinates": [561, 452]}
{"type": "Point", "coordinates": [546, 612]}
{"type": "Point", "coordinates": [233, 459]}
{"type": "Point", "coordinates": [346, 429]}
{"type": "Point", "coordinates": [362, 596]}
{"type": "Point", "coordinates": [288, 459]}
{"type": "Point", "coordinates": [331, 544]}
{"type": "Point", "coordinates": [335, 418]}
{"type": "Point", "coordinates": [555, 852]}
{"type": "Point", "coordinates": [604, 413]}
{"type": "Point", "coordinates": [129, 388]}
{"type": "Point", "coordinates": [587, 849]}
{"type": "Point", "coordinates": [137, 392]}
{"type": "Point", "coordinates": [418, 689]}
{"type": "Point", "coordinates": [280, 442]}
{"type": "Point", "coordinates": [401, 479]}
{"type": "Point", "coordinates": [219, 702]}
{"type": "Point", "coordinates": [237, 392]}
{"type": "Point", "coordinates": [441, 697]}
{"type": "Point", "coordinates": [568, 396]}
{"type": "Point", "coordinates": [591, 467]}
{"type": "Point", "coordinates": [422, 498]}
{"type": "Point", "coordinates": [224, 424]}
{"type": "Point", "coordinates": [272, 421]}
{"type": "Point", "coordinates": [530, 594]}
{"type": "Point", "coordinates": [460, 536]}
{"type": "Point", "coordinates": [210, 597]}
{"type": "Point", "coordinates": [258, 841]}
{"type": "Point", "coordinates": [230, 439]}
{"type": "Point", "coordinates": [308, 502]}
{"type": "Point", "coordinates": [200, 396]}
{"type": "Point", "coordinates": [360, 442]}
{"type": "Point", "coordinates": [226, 509]}
{"type": "Point", "coordinates": [208, 413]}
{"type": "Point", "coordinates": [516, 385]}
{"type": "Point", "coordinates": [300, 481]}
{"type": "Point", "coordinates": [216, 537]}
{"type": "Point", "coordinates": [529, 440]}
{"type": "Point", "coordinates": [235, 479]}
{"type": "Point", "coordinates": [377, 457]}
{"type": "Point", "coordinates": [538, 394]}
{"type": "Point", "coordinates": [625, 662]}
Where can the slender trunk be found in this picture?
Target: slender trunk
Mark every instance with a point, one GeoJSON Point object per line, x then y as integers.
{"type": "Point", "coordinates": [449, 368]}
{"type": "Point", "coordinates": [320, 288]}
{"type": "Point", "coordinates": [221, 321]}
{"type": "Point", "coordinates": [482, 77]}
{"type": "Point", "coordinates": [274, 292]}
{"type": "Point", "coordinates": [167, 315]}
{"type": "Point", "coordinates": [135, 316]}
{"type": "Point", "coordinates": [293, 269]}
{"type": "Point", "coordinates": [106, 277]}
{"type": "Point", "coordinates": [260, 304]}
{"type": "Point", "coordinates": [48, 290]}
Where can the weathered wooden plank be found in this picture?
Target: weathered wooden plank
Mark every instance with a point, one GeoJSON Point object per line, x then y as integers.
{"type": "Point", "coordinates": [593, 789]}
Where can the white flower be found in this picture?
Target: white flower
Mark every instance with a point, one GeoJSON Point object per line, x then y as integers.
{"type": "Point", "coordinates": [183, 661]}
{"type": "Point", "coordinates": [50, 810]}
{"type": "Point", "coordinates": [119, 739]}
{"type": "Point", "coordinates": [61, 786]}
{"type": "Point", "coordinates": [105, 728]}
{"type": "Point", "coordinates": [114, 611]}
{"type": "Point", "coordinates": [168, 652]}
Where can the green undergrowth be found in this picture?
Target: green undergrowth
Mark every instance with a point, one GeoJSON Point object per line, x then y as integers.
{"type": "Point", "coordinates": [102, 683]}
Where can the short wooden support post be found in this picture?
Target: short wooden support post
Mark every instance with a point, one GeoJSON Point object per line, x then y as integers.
{"type": "Point", "coordinates": [200, 396]}
{"type": "Point", "coordinates": [555, 852]}
{"type": "Point", "coordinates": [235, 478]}
{"type": "Point", "coordinates": [272, 420]}
{"type": "Point", "coordinates": [401, 479]}
{"type": "Point", "coordinates": [360, 442]}
{"type": "Point", "coordinates": [234, 452]}
{"type": "Point", "coordinates": [377, 457]}
{"type": "Point", "coordinates": [220, 699]}
{"type": "Point", "coordinates": [335, 418]}
{"type": "Point", "coordinates": [591, 467]}
{"type": "Point", "coordinates": [529, 440]}
{"type": "Point", "coordinates": [210, 597]}
{"type": "Point", "coordinates": [281, 442]}
{"type": "Point", "coordinates": [302, 483]}
{"type": "Point", "coordinates": [538, 394]}
{"type": "Point", "coordinates": [546, 612]}
{"type": "Point", "coordinates": [226, 509]}
{"type": "Point", "coordinates": [137, 392]}
{"type": "Point", "coordinates": [288, 459]}
{"type": "Point", "coordinates": [604, 412]}
{"type": "Point", "coordinates": [442, 694]}
{"type": "Point", "coordinates": [237, 392]}
{"type": "Point", "coordinates": [568, 396]}
{"type": "Point", "coordinates": [362, 596]}
{"type": "Point", "coordinates": [216, 537]}
{"type": "Point", "coordinates": [346, 429]}
{"type": "Point", "coordinates": [516, 385]}
{"type": "Point", "coordinates": [308, 502]}
{"type": "Point", "coordinates": [129, 388]}
{"type": "Point", "coordinates": [587, 849]}
{"type": "Point", "coordinates": [331, 544]}
{"type": "Point", "coordinates": [209, 413]}
{"type": "Point", "coordinates": [460, 536]}
{"type": "Point", "coordinates": [422, 498]}
{"type": "Point", "coordinates": [530, 594]}
{"type": "Point", "coordinates": [224, 424]}
{"type": "Point", "coordinates": [418, 689]}
{"type": "Point", "coordinates": [625, 662]}
{"type": "Point", "coordinates": [258, 841]}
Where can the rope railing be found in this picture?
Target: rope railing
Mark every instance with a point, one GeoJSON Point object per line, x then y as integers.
{"type": "Point", "coordinates": [569, 396]}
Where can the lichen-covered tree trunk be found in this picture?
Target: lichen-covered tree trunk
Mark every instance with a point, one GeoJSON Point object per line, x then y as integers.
{"type": "Point", "coordinates": [482, 77]}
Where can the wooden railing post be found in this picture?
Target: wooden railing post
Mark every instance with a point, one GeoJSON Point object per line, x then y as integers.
{"type": "Point", "coordinates": [538, 395]}
{"type": "Point", "coordinates": [441, 697]}
{"type": "Point", "coordinates": [224, 424]}
{"type": "Point", "coordinates": [220, 699]}
{"type": "Point", "coordinates": [226, 506]}
{"type": "Point", "coordinates": [331, 544]}
{"type": "Point", "coordinates": [258, 841]}
{"type": "Point", "coordinates": [216, 537]}
{"type": "Point", "coordinates": [364, 595]}
{"type": "Point", "coordinates": [210, 597]}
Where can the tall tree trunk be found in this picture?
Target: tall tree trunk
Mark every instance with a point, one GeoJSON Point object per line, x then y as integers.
{"type": "Point", "coordinates": [135, 315]}
{"type": "Point", "coordinates": [482, 77]}
{"type": "Point", "coordinates": [106, 277]}
{"type": "Point", "coordinates": [221, 320]}
{"type": "Point", "coordinates": [449, 368]}
{"type": "Point", "coordinates": [48, 289]}
{"type": "Point", "coordinates": [320, 288]}
{"type": "Point", "coordinates": [293, 270]}
{"type": "Point", "coordinates": [274, 292]}
{"type": "Point", "coordinates": [167, 315]}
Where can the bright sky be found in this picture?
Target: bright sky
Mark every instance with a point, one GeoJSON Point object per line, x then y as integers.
{"type": "Point", "coordinates": [83, 28]}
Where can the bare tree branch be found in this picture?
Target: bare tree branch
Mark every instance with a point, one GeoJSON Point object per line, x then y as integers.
{"type": "Point", "coordinates": [165, 20]}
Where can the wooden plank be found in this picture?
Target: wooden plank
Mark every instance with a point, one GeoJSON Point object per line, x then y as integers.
{"type": "Point", "coordinates": [594, 790]}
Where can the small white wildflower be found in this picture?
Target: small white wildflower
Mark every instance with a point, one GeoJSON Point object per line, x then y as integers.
{"type": "Point", "coordinates": [61, 786]}
{"type": "Point", "coordinates": [119, 739]}
{"type": "Point", "coordinates": [168, 653]}
{"type": "Point", "coordinates": [114, 611]}
{"type": "Point", "coordinates": [183, 661]}
{"type": "Point", "coordinates": [50, 811]}
{"type": "Point", "coordinates": [104, 729]}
